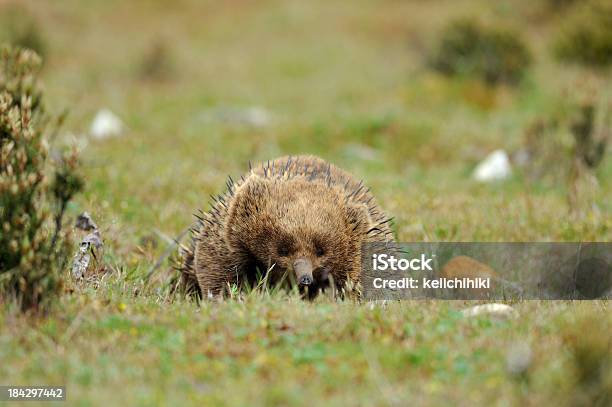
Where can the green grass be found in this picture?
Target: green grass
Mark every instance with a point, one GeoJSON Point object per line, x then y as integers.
{"type": "Point", "coordinates": [344, 80]}
{"type": "Point", "coordinates": [109, 347]}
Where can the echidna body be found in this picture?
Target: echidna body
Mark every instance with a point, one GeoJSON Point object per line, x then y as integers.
{"type": "Point", "coordinates": [295, 216]}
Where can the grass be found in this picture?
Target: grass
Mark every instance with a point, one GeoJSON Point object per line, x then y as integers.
{"type": "Point", "coordinates": [347, 81]}
{"type": "Point", "coordinates": [112, 348]}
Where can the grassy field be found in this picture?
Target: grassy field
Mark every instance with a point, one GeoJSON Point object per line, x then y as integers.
{"type": "Point", "coordinates": [344, 80]}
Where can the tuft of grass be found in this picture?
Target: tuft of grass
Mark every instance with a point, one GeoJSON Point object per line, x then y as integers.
{"type": "Point", "coordinates": [586, 36]}
{"type": "Point", "coordinates": [156, 63]}
{"type": "Point", "coordinates": [589, 342]}
{"type": "Point", "coordinates": [468, 48]}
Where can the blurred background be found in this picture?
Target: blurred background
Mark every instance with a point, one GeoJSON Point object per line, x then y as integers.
{"type": "Point", "coordinates": [167, 99]}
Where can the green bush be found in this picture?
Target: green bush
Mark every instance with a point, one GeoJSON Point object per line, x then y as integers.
{"type": "Point", "coordinates": [587, 342]}
{"type": "Point", "coordinates": [493, 55]}
{"type": "Point", "coordinates": [156, 63]}
{"type": "Point", "coordinates": [34, 189]}
{"type": "Point", "coordinates": [560, 3]}
{"type": "Point", "coordinates": [586, 36]}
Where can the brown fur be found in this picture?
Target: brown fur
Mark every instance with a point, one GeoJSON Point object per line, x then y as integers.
{"type": "Point", "coordinates": [286, 209]}
{"type": "Point", "coordinates": [467, 267]}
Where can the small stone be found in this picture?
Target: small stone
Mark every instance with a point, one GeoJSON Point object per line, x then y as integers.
{"type": "Point", "coordinates": [496, 166]}
{"type": "Point", "coordinates": [106, 124]}
{"type": "Point", "coordinates": [361, 151]}
{"type": "Point", "coordinates": [495, 310]}
{"type": "Point", "coordinates": [93, 239]}
{"type": "Point", "coordinates": [518, 358]}
{"type": "Point", "coordinates": [254, 116]}
{"type": "Point", "coordinates": [80, 262]}
{"type": "Point", "coordinates": [85, 222]}
{"type": "Point", "coordinates": [89, 246]}
{"type": "Point", "coordinates": [377, 304]}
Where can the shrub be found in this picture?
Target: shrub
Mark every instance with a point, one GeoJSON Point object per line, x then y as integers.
{"type": "Point", "coordinates": [588, 345]}
{"type": "Point", "coordinates": [586, 37]}
{"type": "Point", "coordinates": [34, 190]}
{"type": "Point", "coordinates": [156, 63]}
{"type": "Point", "coordinates": [560, 3]}
{"type": "Point", "coordinates": [493, 55]}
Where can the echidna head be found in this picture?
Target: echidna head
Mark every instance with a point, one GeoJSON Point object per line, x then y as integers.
{"type": "Point", "coordinates": [306, 229]}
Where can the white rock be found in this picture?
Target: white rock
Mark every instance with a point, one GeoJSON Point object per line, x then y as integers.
{"type": "Point", "coordinates": [85, 222]}
{"type": "Point", "coordinates": [498, 310]}
{"type": "Point", "coordinates": [519, 358]}
{"type": "Point", "coordinates": [495, 167]}
{"type": "Point", "coordinates": [253, 116]}
{"type": "Point", "coordinates": [361, 151]}
{"type": "Point", "coordinates": [377, 304]}
{"type": "Point", "coordinates": [106, 124]}
{"type": "Point", "coordinates": [80, 262]}
{"type": "Point", "coordinates": [257, 116]}
{"type": "Point", "coordinates": [90, 245]}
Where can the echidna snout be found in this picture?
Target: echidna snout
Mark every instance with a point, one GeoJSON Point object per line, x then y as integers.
{"type": "Point", "coordinates": [303, 271]}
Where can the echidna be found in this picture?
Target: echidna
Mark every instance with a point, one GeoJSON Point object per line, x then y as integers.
{"type": "Point", "coordinates": [297, 217]}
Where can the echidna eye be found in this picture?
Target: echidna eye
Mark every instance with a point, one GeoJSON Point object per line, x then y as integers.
{"type": "Point", "coordinates": [283, 250]}
{"type": "Point", "coordinates": [319, 250]}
